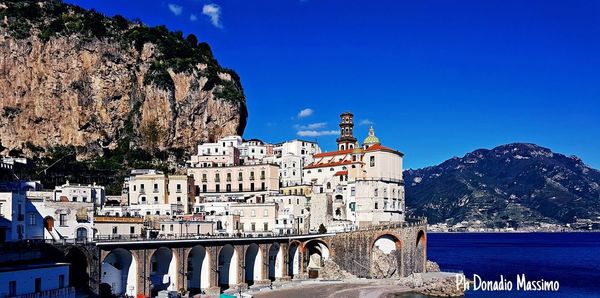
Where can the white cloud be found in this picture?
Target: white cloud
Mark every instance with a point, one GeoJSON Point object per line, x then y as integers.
{"type": "Point", "coordinates": [366, 122]}
{"type": "Point", "coordinates": [316, 133]}
{"type": "Point", "coordinates": [305, 113]}
{"type": "Point", "coordinates": [213, 11]}
{"type": "Point", "coordinates": [193, 17]}
{"type": "Point", "coordinates": [311, 126]}
{"type": "Point", "coordinates": [175, 9]}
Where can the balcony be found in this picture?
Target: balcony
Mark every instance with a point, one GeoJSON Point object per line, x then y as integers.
{"type": "Point", "coordinates": [251, 178]}
{"type": "Point", "coordinates": [155, 190]}
{"type": "Point", "coordinates": [262, 177]}
{"type": "Point", "coordinates": [82, 218]}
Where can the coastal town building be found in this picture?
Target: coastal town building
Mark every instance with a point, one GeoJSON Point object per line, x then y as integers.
{"type": "Point", "coordinates": [80, 193]}
{"type": "Point", "coordinates": [36, 280]}
{"type": "Point", "coordinates": [356, 186]}
{"type": "Point", "coordinates": [115, 227]}
{"type": "Point", "coordinates": [154, 193]}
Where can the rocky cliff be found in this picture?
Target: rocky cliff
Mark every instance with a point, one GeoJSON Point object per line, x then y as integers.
{"type": "Point", "coordinates": [72, 77]}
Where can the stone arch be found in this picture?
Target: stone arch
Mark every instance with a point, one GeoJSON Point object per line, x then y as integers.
{"type": "Point", "coordinates": [119, 271]}
{"type": "Point", "coordinates": [198, 270]}
{"type": "Point", "coordinates": [386, 256]}
{"type": "Point", "coordinates": [316, 252]}
{"type": "Point", "coordinates": [253, 263]}
{"type": "Point", "coordinates": [275, 261]}
{"type": "Point", "coordinates": [79, 268]}
{"type": "Point", "coordinates": [294, 259]}
{"type": "Point", "coordinates": [228, 267]}
{"type": "Point", "coordinates": [163, 271]}
{"type": "Point", "coordinates": [420, 251]}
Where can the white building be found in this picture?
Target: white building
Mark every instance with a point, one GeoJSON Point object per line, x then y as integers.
{"type": "Point", "coordinates": [356, 186]}
{"type": "Point", "coordinates": [12, 216]}
{"type": "Point", "coordinates": [36, 280]}
{"type": "Point", "coordinates": [292, 156]}
{"type": "Point", "coordinates": [230, 150]}
{"type": "Point", "coordinates": [80, 193]}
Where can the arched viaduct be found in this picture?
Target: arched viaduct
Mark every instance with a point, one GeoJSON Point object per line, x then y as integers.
{"type": "Point", "coordinates": [142, 268]}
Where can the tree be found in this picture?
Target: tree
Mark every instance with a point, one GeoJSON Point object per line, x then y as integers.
{"type": "Point", "coordinates": [151, 134]}
{"type": "Point", "coordinates": [322, 229]}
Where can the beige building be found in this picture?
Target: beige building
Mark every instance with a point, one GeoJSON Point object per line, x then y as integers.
{"type": "Point", "coordinates": [185, 228]}
{"type": "Point", "coordinates": [167, 195]}
{"type": "Point", "coordinates": [111, 227]}
{"type": "Point", "coordinates": [257, 218]}
{"type": "Point", "coordinates": [235, 183]}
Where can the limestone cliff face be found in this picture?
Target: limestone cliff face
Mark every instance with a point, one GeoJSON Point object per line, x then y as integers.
{"type": "Point", "coordinates": [92, 93]}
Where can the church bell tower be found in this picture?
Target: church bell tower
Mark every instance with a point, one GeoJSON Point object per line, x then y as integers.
{"type": "Point", "coordinates": [346, 140]}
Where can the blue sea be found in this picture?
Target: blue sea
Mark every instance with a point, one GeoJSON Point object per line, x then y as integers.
{"type": "Point", "coordinates": [572, 259]}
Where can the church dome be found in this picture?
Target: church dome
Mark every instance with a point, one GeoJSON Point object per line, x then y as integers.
{"type": "Point", "coordinates": [371, 139]}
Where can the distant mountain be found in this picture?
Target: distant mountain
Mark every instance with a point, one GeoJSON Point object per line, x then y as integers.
{"type": "Point", "coordinates": [510, 185]}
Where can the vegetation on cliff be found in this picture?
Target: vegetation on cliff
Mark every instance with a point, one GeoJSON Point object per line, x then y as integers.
{"type": "Point", "coordinates": [133, 96]}
{"type": "Point", "coordinates": [53, 18]}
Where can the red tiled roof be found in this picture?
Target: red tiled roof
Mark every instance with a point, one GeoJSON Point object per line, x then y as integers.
{"type": "Point", "coordinates": [333, 153]}
{"type": "Point", "coordinates": [330, 164]}
{"type": "Point", "coordinates": [340, 173]}
{"type": "Point", "coordinates": [379, 147]}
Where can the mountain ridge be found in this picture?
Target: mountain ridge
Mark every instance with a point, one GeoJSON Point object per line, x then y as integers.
{"type": "Point", "coordinates": [507, 186]}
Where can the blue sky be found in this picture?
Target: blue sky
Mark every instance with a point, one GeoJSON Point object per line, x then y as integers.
{"type": "Point", "coordinates": [436, 78]}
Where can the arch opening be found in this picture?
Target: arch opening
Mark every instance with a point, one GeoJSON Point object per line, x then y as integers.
{"type": "Point", "coordinates": [78, 269]}
{"type": "Point", "coordinates": [228, 267]}
{"type": "Point", "coordinates": [198, 270]}
{"type": "Point", "coordinates": [294, 260]}
{"type": "Point", "coordinates": [386, 257]}
{"type": "Point", "coordinates": [253, 263]}
{"type": "Point", "coordinates": [317, 252]}
{"type": "Point", "coordinates": [119, 272]}
{"type": "Point", "coordinates": [163, 271]}
{"type": "Point", "coordinates": [275, 262]}
{"type": "Point", "coordinates": [421, 252]}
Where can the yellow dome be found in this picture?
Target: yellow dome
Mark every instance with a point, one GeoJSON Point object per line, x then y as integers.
{"type": "Point", "coordinates": [357, 151]}
{"type": "Point", "coordinates": [371, 138]}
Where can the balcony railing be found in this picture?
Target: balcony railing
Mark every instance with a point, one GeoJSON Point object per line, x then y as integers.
{"type": "Point", "coordinates": [55, 293]}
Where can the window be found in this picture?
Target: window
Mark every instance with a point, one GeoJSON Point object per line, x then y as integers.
{"type": "Point", "coordinates": [228, 176]}
{"type": "Point", "coordinates": [266, 213]}
{"type": "Point", "coordinates": [203, 177]}
{"type": "Point", "coordinates": [38, 284]}
{"type": "Point", "coordinates": [61, 281]}
{"type": "Point", "coordinates": [266, 226]}
{"type": "Point", "coordinates": [228, 187]}
{"type": "Point", "coordinates": [240, 176]}
{"type": "Point", "coordinates": [12, 288]}
{"type": "Point", "coordinates": [372, 161]}
{"type": "Point", "coordinates": [178, 199]}
{"type": "Point", "coordinates": [115, 229]}
{"type": "Point", "coordinates": [328, 185]}
{"type": "Point", "coordinates": [376, 205]}
{"type": "Point", "coordinates": [31, 219]}
{"type": "Point", "coordinates": [178, 187]}
{"type": "Point", "coordinates": [132, 230]}
{"type": "Point", "coordinates": [1, 209]}
{"type": "Point", "coordinates": [262, 175]}
{"type": "Point", "coordinates": [217, 177]}
{"type": "Point", "coordinates": [217, 188]}
{"type": "Point", "coordinates": [251, 186]}
{"type": "Point", "coordinates": [242, 213]}
{"type": "Point", "coordinates": [155, 199]}
{"type": "Point", "coordinates": [134, 188]}
{"type": "Point", "coordinates": [253, 213]}
{"type": "Point", "coordinates": [143, 199]}
{"type": "Point", "coordinates": [74, 199]}
{"type": "Point", "coordinates": [155, 187]}
{"type": "Point", "coordinates": [253, 227]}
{"type": "Point", "coordinates": [241, 187]}
{"type": "Point", "coordinates": [262, 186]}
{"type": "Point", "coordinates": [204, 187]}
{"type": "Point", "coordinates": [63, 220]}
{"type": "Point", "coordinates": [171, 227]}
{"type": "Point", "coordinates": [157, 212]}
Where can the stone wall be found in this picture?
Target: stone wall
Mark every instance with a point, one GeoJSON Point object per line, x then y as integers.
{"type": "Point", "coordinates": [353, 251]}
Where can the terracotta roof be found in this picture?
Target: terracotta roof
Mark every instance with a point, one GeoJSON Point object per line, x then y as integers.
{"type": "Point", "coordinates": [330, 164]}
{"type": "Point", "coordinates": [379, 147]}
{"type": "Point", "coordinates": [340, 173]}
{"type": "Point", "coordinates": [333, 153]}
